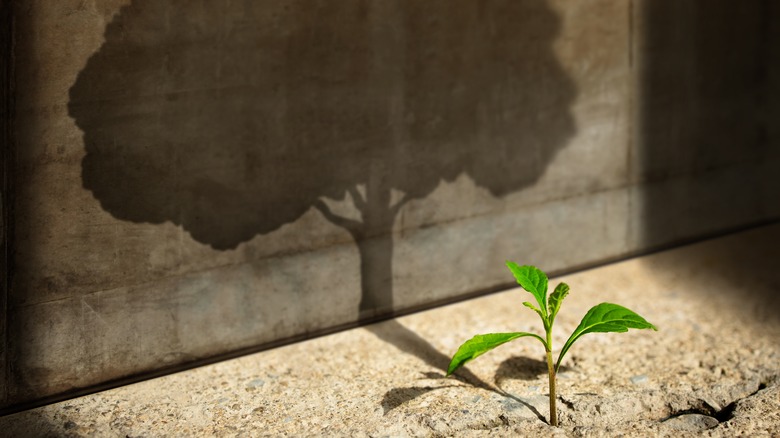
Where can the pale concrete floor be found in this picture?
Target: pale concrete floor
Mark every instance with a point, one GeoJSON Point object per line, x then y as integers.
{"type": "Point", "coordinates": [715, 358]}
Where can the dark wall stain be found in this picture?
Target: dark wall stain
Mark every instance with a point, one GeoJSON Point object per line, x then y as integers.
{"type": "Point", "coordinates": [708, 102]}
{"type": "Point", "coordinates": [6, 197]}
{"type": "Point", "coordinates": [709, 112]}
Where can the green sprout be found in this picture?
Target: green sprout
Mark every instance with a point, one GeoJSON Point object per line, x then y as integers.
{"type": "Point", "coordinates": [602, 318]}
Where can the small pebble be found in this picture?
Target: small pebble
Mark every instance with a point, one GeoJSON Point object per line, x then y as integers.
{"type": "Point", "coordinates": [637, 380]}
{"type": "Point", "coordinates": [710, 401]}
{"type": "Point", "coordinates": [255, 383]}
{"type": "Point", "coordinates": [692, 422]}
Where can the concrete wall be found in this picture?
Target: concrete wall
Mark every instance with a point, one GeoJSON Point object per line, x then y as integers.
{"type": "Point", "coordinates": [195, 178]}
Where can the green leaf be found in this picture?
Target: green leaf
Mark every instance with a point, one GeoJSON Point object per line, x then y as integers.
{"type": "Point", "coordinates": [604, 318]}
{"type": "Point", "coordinates": [534, 308]}
{"type": "Point", "coordinates": [534, 281]}
{"type": "Point", "coordinates": [556, 298]}
{"type": "Point", "coordinates": [481, 344]}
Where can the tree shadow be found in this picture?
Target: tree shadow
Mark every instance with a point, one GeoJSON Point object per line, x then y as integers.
{"type": "Point", "coordinates": [232, 120]}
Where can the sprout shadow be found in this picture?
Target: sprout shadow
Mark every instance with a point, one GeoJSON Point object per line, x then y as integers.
{"type": "Point", "coordinates": [398, 396]}
{"type": "Point", "coordinates": [410, 342]}
{"type": "Point", "coordinates": [394, 333]}
{"type": "Point", "coordinates": [523, 368]}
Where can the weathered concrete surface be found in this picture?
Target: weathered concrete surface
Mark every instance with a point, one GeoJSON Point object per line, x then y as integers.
{"type": "Point", "coordinates": [189, 187]}
{"type": "Point", "coordinates": [711, 368]}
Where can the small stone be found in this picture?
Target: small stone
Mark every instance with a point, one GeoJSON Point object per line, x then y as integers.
{"type": "Point", "coordinates": [692, 422]}
{"type": "Point", "coordinates": [524, 407]}
{"type": "Point", "coordinates": [712, 403]}
{"type": "Point", "coordinates": [70, 425]}
{"type": "Point", "coordinates": [256, 383]}
{"type": "Point", "coordinates": [638, 380]}
{"type": "Point", "coordinates": [510, 404]}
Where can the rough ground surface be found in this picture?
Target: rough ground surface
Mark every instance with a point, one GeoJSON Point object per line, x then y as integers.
{"type": "Point", "coordinates": [713, 369]}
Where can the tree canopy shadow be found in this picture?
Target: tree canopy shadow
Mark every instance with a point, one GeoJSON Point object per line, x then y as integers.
{"type": "Point", "coordinates": [231, 119]}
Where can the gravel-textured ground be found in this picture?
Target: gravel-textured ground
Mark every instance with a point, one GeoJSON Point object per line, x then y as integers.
{"type": "Point", "coordinates": [712, 369]}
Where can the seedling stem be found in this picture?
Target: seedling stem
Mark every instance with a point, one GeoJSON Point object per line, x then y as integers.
{"type": "Point", "coordinates": [551, 374]}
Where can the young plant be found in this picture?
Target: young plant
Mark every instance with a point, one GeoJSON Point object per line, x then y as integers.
{"type": "Point", "coordinates": [602, 318]}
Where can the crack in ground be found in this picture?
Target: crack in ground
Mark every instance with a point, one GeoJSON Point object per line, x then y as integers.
{"type": "Point", "coordinates": [569, 404]}
{"type": "Point", "coordinates": [436, 432]}
{"type": "Point", "coordinates": [702, 407]}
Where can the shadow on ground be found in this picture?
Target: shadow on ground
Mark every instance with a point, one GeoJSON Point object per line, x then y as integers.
{"type": "Point", "coordinates": [523, 368]}
{"type": "Point", "coordinates": [394, 333]}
